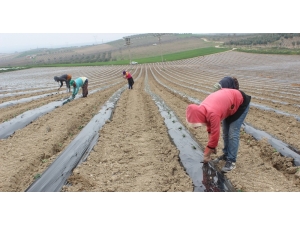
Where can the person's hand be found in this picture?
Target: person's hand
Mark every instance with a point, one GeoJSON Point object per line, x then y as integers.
{"type": "Point", "coordinates": [207, 152]}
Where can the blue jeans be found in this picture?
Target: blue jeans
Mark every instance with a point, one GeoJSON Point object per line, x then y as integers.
{"type": "Point", "coordinates": [231, 136]}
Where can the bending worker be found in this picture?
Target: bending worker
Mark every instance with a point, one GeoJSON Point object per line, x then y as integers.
{"type": "Point", "coordinates": [64, 78]}
{"type": "Point", "coordinates": [81, 82]}
{"type": "Point", "coordinates": [230, 106]}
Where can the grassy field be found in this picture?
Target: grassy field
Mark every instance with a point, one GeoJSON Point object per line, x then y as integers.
{"type": "Point", "coordinates": [281, 51]}
{"type": "Point", "coordinates": [167, 57]}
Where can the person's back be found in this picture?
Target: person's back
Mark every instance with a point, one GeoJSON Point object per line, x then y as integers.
{"type": "Point", "coordinates": [79, 83]}
{"type": "Point", "coordinates": [62, 78]}
{"type": "Point", "coordinates": [223, 103]}
{"type": "Point", "coordinates": [128, 75]}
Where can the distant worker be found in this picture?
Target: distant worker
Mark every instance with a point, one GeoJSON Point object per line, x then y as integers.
{"type": "Point", "coordinates": [64, 78]}
{"type": "Point", "coordinates": [127, 75]}
{"type": "Point", "coordinates": [227, 82]}
{"type": "Point", "coordinates": [81, 82]}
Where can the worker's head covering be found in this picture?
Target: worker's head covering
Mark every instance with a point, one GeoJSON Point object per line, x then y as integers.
{"type": "Point", "coordinates": [124, 72]}
{"type": "Point", "coordinates": [56, 78]}
{"type": "Point", "coordinates": [72, 82]}
{"type": "Point", "coordinates": [217, 87]}
{"type": "Point", "coordinates": [195, 115]}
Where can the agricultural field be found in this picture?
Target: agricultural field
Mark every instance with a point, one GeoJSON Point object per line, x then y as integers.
{"type": "Point", "coordinates": [143, 46]}
{"type": "Point", "coordinates": [139, 140]}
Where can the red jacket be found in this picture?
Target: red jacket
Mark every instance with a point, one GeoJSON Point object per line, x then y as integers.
{"type": "Point", "coordinates": [128, 75]}
{"type": "Point", "coordinates": [213, 109]}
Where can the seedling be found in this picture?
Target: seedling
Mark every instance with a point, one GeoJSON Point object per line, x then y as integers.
{"type": "Point", "coordinates": [44, 160]}
{"type": "Point", "coordinates": [37, 176]}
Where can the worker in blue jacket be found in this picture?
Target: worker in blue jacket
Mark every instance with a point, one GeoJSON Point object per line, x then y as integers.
{"type": "Point", "coordinates": [81, 82]}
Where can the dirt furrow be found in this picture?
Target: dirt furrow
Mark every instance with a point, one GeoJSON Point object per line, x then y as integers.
{"type": "Point", "coordinates": [30, 150]}
{"type": "Point", "coordinates": [134, 152]}
{"type": "Point", "coordinates": [284, 128]}
{"type": "Point", "coordinates": [266, 170]}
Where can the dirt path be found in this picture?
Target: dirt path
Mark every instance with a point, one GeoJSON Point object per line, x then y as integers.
{"type": "Point", "coordinates": [134, 151]}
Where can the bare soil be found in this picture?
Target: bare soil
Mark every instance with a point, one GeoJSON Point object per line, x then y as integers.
{"type": "Point", "coordinates": [134, 152]}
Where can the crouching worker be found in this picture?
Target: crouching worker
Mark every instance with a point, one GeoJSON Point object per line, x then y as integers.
{"type": "Point", "coordinates": [81, 82]}
{"type": "Point", "coordinates": [229, 106]}
{"type": "Point", "coordinates": [64, 78]}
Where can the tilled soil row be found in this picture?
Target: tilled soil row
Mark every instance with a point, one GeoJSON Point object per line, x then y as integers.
{"type": "Point", "coordinates": [134, 151]}
{"type": "Point", "coordinates": [30, 150]}
{"type": "Point", "coordinates": [284, 128]}
{"type": "Point", "coordinates": [259, 167]}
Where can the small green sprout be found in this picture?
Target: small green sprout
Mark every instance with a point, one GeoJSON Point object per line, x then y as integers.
{"type": "Point", "coordinates": [37, 176]}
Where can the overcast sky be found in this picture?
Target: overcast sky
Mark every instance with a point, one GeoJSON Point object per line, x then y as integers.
{"type": "Point", "coordinates": [30, 24]}
{"type": "Point", "coordinates": [12, 42]}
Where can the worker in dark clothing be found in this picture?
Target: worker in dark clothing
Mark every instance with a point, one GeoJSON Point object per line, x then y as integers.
{"type": "Point", "coordinates": [64, 78]}
{"type": "Point", "coordinates": [227, 82]}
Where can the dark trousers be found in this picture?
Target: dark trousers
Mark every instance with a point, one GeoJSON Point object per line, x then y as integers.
{"type": "Point", "coordinates": [85, 88]}
{"type": "Point", "coordinates": [130, 82]}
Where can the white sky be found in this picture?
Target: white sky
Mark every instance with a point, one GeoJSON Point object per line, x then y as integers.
{"type": "Point", "coordinates": [30, 24]}
{"type": "Point", "coordinates": [11, 42]}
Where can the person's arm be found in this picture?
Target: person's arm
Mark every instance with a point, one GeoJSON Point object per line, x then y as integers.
{"type": "Point", "coordinates": [75, 91]}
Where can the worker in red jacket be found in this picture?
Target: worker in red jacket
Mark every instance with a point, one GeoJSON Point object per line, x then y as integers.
{"type": "Point", "coordinates": [229, 106]}
{"type": "Point", "coordinates": [127, 75]}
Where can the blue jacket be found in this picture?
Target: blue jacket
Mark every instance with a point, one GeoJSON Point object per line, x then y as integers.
{"type": "Point", "coordinates": [79, 83]}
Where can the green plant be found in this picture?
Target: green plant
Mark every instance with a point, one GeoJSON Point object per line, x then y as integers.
{"type": "Point", "coordinates": [44, 160]}
{"type": "Point", "coordinates": [37, 176]}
